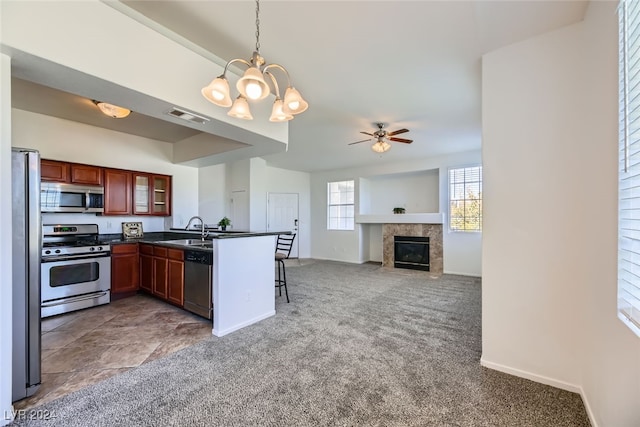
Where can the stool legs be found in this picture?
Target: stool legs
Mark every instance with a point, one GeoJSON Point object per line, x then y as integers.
{"type": "Point", "coordinates": [282, 280]}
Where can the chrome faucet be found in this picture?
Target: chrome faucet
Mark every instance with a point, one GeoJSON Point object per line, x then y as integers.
{"type": "Point", "coordinates": [204, 233]}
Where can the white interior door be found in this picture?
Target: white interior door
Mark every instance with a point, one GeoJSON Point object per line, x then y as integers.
{"type": "Point", "coordinates": [283, 216]}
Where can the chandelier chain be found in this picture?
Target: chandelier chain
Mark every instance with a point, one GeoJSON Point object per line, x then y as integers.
{"type": "Point", "coordinates": [258, 26]}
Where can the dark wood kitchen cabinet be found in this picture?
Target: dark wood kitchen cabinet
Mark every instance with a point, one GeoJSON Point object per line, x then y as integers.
{"type": "Point", "coordinates": [151, 194]}
{"type": "Point", "coordinates": [125, 269]}
{"type": "Point", "coordinates": [86, 174]}
{"type": "Point", "coordinates": [70, 173]}
{"type": "Point", "coordinates": [175, 276]}
{"type": "Point", "coordinates": [53, 170]}
{"type": "Point", "coordinates": [162, 272]}
{"type": "Point", "coordinates": [160, 267]}
{"type": "Point", "coordinates": [146, 267]}
{"type": "Point", "coordinates": [117, 192]}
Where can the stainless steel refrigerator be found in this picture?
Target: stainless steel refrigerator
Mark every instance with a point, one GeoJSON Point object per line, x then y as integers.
{"type": "Point", "coordinates": [27, 241]}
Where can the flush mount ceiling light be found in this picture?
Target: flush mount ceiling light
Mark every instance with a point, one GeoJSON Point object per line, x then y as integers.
{"type": "Point", "coordinates": [253, 86]}
{"type": "Point", "coordinates": [112, 110]}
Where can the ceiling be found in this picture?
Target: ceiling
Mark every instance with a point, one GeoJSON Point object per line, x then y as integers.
{"type": "Point", "coordinates": [409, 64]}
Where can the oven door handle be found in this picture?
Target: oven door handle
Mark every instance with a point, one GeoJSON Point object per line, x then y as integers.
{"type": "Point", "coordinates": [61, 301]}
{"type": "Point", "coordinates": [76, 257]}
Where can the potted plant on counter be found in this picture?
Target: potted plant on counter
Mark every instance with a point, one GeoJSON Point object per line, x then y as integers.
{"type": "Point", "coordinates": [398, 210]}
{"type": "Point", "coordinates": [224, 223]}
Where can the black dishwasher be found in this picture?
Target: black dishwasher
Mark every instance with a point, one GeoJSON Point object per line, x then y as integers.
{"type": "Point", "coordinates": [198, 282]}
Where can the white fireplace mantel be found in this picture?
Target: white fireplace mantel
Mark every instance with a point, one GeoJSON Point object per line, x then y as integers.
{"type": "Point", "coordinates": [406, 218]}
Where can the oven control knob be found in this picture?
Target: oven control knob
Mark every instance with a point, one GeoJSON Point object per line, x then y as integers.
{"type": "Point", "coordinates": [99, 248]}
{"type": "Point", "coordinates": [92, 249]}
{"type": "Point", "coordinates": [57, 251]}
{"type": "Point", "coordinates": [47, 252]}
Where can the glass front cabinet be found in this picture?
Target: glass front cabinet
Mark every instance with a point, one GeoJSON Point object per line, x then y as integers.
{"type": "Point", "coordinates": [152, 194]}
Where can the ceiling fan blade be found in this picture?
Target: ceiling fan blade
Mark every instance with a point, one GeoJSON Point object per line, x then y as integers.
{"type": "Point", "coordinates": [397, 132]}
{"type": "Point", "coordinates": [358, 142]}
{"type": "Point", "coordinates": [406, 141]}
{"type": "Point", "coordinates": [366, 133]}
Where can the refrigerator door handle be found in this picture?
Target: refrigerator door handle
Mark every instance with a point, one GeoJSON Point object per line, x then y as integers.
{"type": "Point", "coordinates": [34, 254]}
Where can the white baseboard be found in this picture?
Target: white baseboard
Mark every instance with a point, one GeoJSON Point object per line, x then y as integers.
{"type": "Point", "coordinates": [543, 380]}
{"type": "Point", "coordinates": [220, 333]}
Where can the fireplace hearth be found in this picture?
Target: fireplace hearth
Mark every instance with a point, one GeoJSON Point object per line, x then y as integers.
{"type": "Point", "coordinates": [411, 252]}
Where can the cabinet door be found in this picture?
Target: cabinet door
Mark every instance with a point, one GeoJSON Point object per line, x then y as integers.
{"type": "Point", "coordinates": [51, 170]}
{"type": "Point", "coordinates": [85, 174]}
{"type": "Point", "coordinates": [161, 195]}
{"type": "Point", "coordinates": [160, 277]}
{"type": "Point", "coordinates": [146, 272]}
{"type": "Point", "coordinates": [125, 269]}
{"type": "Point", "coordinates": [141, 194]}
{"type": "Point", "coordinates": [175, 277]}
{"type": "Point", "coordinates": [117, 192]}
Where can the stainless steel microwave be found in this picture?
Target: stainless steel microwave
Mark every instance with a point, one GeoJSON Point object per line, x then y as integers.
{"type": "Point", "coordinates": [60, 197]}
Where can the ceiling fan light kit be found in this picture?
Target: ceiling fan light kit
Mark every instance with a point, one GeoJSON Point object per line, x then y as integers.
{"type": "Point", "coordinates": [253, 86]}
{"type": "Point", "coordinates": [381, 135]}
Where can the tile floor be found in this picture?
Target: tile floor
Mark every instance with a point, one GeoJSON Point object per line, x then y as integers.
{"type": "Point", "coordinates": [84, 347]}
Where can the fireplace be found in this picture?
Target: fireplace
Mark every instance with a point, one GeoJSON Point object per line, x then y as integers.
{"type": "Point", "coordinates": [411, 252]}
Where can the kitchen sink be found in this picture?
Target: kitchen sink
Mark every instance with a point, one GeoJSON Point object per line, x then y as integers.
{"type": "Point", "coordinates": [191, 242]}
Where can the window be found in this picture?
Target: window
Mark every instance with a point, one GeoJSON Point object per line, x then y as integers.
{"type": "Point", "coordinates": [465, 199]}
{"type": "Point", "coordinates": [629, 166]}
{"type": "Point", "coordinates": [341, 208]}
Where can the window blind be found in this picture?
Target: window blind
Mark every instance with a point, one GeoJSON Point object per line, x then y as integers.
{"type": "Point", "coordinates": [629, 165]}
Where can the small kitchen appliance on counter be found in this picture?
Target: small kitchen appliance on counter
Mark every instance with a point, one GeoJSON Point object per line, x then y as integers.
{"type": "Point", "coordinates": [132, 230]}
{"type": "Point", "coordinates": [75, 269]}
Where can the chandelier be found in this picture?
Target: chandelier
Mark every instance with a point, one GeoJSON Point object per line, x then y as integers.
{"type": "Point", "coordinates": [253, 86]}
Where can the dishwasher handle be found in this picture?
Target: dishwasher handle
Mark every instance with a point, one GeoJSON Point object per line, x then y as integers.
{"type": "Point", "coordinates": [199, 257]}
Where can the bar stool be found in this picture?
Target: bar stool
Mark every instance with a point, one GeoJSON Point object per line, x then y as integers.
{"type": "Point", "coordinates": [283, 250]}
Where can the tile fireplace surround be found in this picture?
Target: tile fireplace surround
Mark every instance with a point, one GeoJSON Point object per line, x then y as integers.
{"type": "Point", "coordinates": [432, 231]}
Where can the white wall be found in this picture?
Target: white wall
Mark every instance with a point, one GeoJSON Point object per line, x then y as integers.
{"type": "Point", "coordinates": [6, 238]}
{"type": "Point", "coordinates": [417, 192]}
{"type": "Point", "coordinates": [60, 139]}
{"type": "Point", "coordinates": [211, 193]}
{"type": "Point", "coordinates": [288, 181]}
{"type": "Point", "coordinates": [462, 251]}
{"type": "Point", "coordinates": [549, 249]}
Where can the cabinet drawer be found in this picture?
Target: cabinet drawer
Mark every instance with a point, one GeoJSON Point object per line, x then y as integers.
{"type": "Point", "coordinates": [177, 254]}
{"type": "Point", "coordinates": [125, 248]}
{"type": "Point", "coordinates": [146, 249]}
{"type": "Point", "coordinates": [160, 251]}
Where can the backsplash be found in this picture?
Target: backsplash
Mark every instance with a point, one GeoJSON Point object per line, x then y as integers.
{"type": "Point", "coordinates": [108, 224]}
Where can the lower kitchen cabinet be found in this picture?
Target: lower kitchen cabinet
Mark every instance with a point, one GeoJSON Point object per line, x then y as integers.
{"type": "Point", "coordinates": [160, 262]}
{"type": "Point", "coordinates": [175, 276]}
{"type": "Point", "coordinates": [162, 272]}
{"type": "Point", "coordinates": [125, 269]}
{"type": "Point", "coordinates": [146, 267]}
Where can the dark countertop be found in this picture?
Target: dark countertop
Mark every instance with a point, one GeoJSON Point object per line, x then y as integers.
{"type": "Point", "coordinates": [159, 237]}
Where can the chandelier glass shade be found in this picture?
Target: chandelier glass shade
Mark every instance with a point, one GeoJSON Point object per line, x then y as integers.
{"type": "Point", "coordinates": [111, 110]}
{"type": "Point", "coordinates": [254, 86]}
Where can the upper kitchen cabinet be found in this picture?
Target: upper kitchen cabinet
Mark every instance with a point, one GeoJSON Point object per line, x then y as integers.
{"type": "Point", "coordinates": [161, 195]}
{"type": "Point", "coordinates": [52, 170]}
{"type": "Point", "coordinates": [86, 174]}
{"type": "Point", "coordinates": [74, 173]}
{"type": "Point", "coordinates": [152, 194]}
{"type": "Point", "coordinates": [117, 192]}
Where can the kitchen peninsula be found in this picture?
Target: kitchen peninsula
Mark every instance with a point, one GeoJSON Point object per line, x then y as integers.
{"type": "Point", "coordinates": [242, 276]}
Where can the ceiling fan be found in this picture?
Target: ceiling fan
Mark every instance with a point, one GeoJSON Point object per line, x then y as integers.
{"type": "Point", "coordinates": [380, 146]}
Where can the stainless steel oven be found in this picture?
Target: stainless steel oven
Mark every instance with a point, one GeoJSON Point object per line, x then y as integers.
{"type": "Point", "coordinates": [75, 269]}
